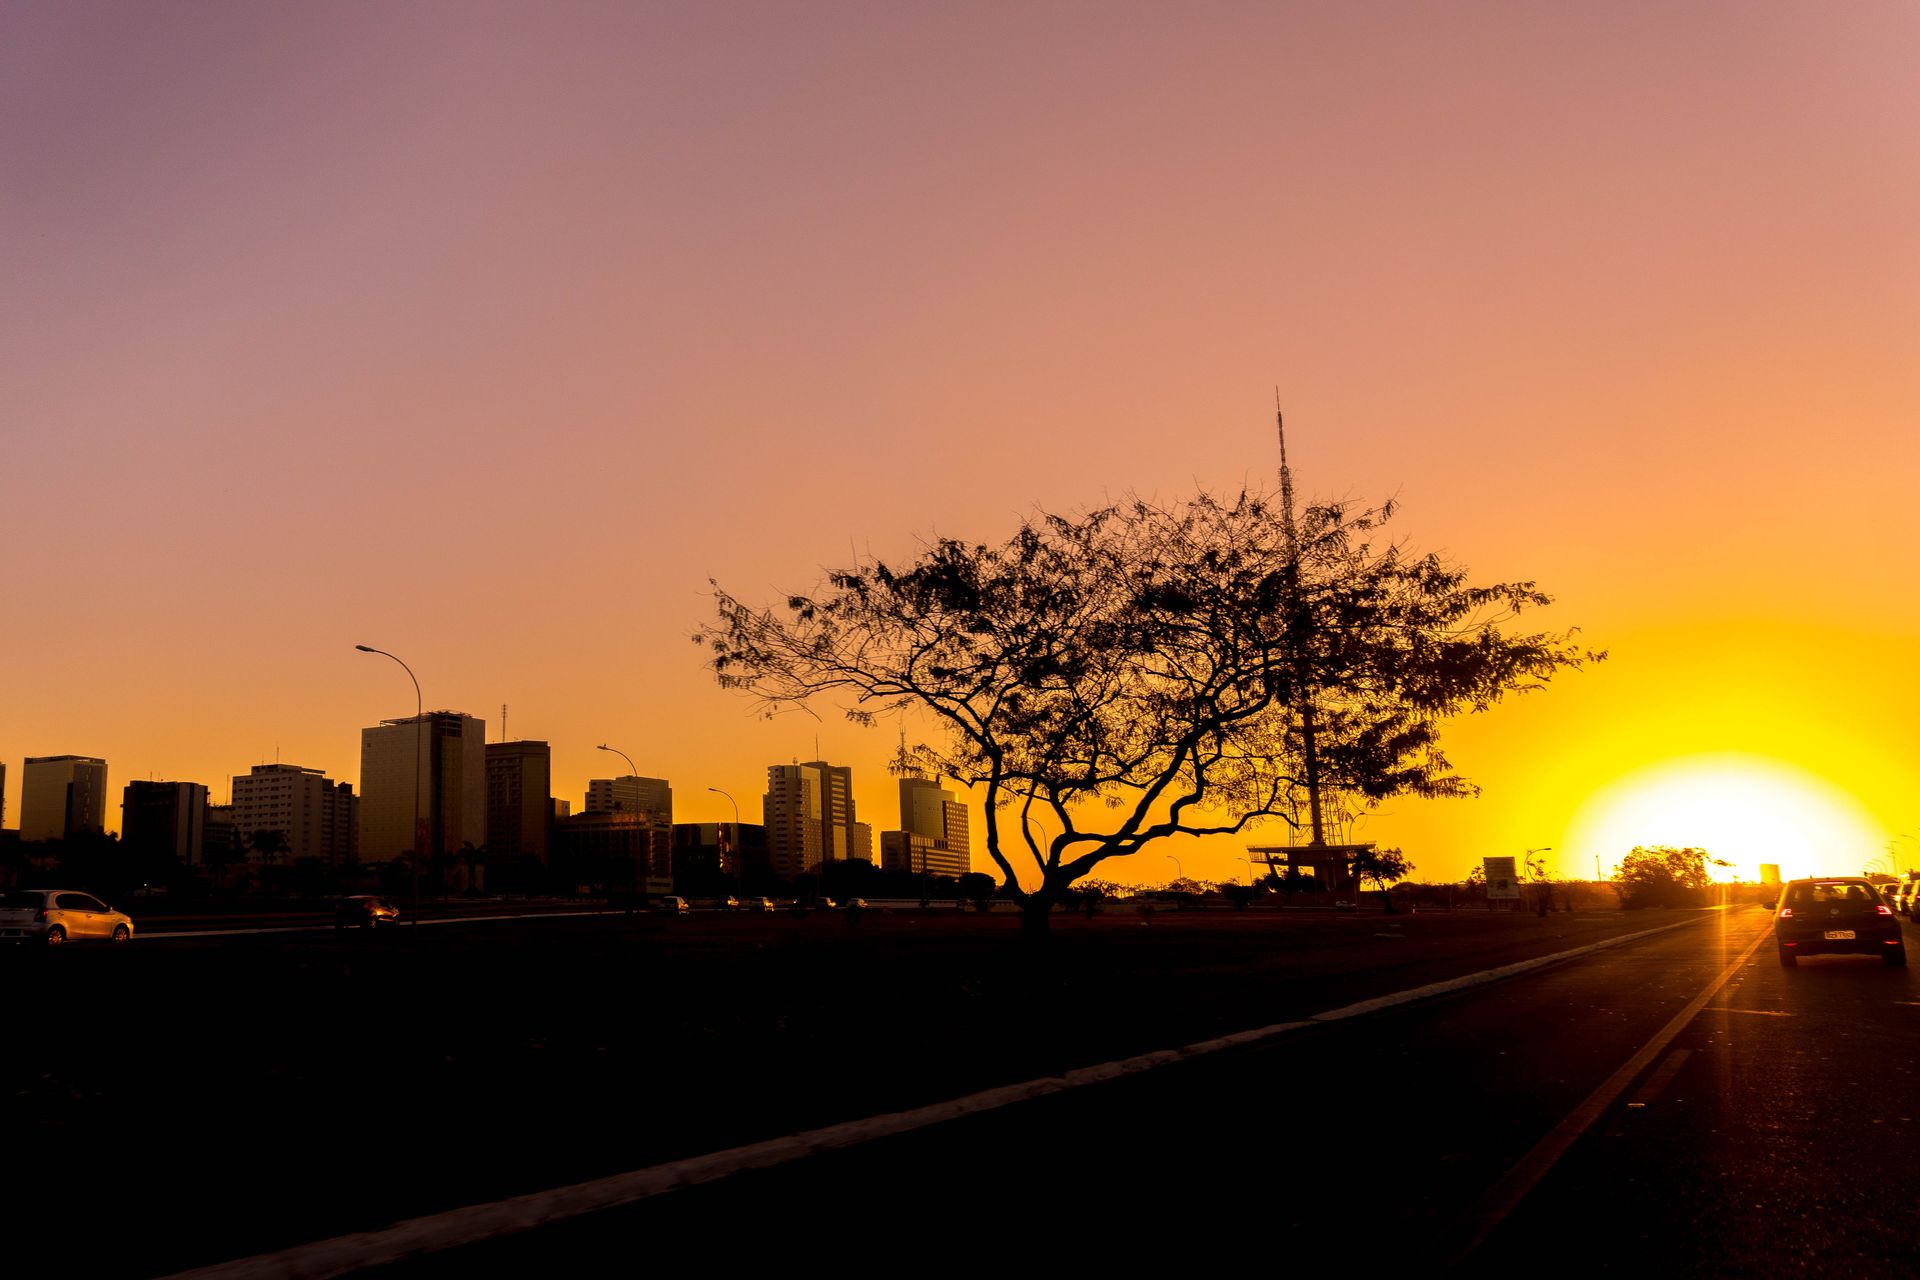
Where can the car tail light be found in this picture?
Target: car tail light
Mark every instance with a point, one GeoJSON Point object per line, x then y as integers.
{"type": "Point", "coordinates": [1883, 909]}
{"type": "Point", "coordinates": [1789, 944]}
{"type": "Point", "coordinates": [40, 916]}
{"type": "Point", "coordinates": [1786, 913]}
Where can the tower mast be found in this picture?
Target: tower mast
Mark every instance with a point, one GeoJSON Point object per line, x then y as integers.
{"type": "Point", "coordinates": [1302, 667]}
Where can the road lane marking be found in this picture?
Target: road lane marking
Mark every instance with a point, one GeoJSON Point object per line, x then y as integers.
{"type": "Point", "coordinates": [1759, 1013]}
{"type": "Point", "coordinates": [474, 1224]}
{"type": "Point", "coordinates": [1493, 1207]}
{"type": "Point", "coordinates": [1662, 1077]}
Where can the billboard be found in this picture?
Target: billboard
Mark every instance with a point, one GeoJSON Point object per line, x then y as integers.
{"type": "Point", "coordinates": [1503, 883]}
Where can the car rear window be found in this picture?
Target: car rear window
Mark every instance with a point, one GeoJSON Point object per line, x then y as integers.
{"type": "Point", "coordinates": [1822, 892]}
{"type": "Point", "coordinates": [21, 900]}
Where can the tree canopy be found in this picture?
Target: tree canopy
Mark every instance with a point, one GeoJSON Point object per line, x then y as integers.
{"type": "Point", "coordinates": [1140, 671]}
{"type": "Point", "coordinates": [1662, 876]}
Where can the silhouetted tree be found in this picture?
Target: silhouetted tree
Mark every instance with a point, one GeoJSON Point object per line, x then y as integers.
{"type": "Point", "coordinates": [1154, 665]}
{"type": "Point", "coordinates": [1383, 868]}
{"type": "Point", "coordinates": [1662, 876]}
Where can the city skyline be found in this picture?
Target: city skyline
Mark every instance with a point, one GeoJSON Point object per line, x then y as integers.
{"type": "Point", "coordinates": [492, 340]}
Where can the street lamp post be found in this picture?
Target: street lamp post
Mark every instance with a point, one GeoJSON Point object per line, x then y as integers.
{"type": "Point", "coordinates": [1546, 894]}
{"type": "Point", "coordinates": [639, 862]}
{"type": "Point", "coordinates": [1178, 871]}
{"type": "Point", "coordinates": [1247, 858]}
{"type": "Point", "coordinates": [419, 733]}
{"type": "Point", "coordinates": [738, 881]}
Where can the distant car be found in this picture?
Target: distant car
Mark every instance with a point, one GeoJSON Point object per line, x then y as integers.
{"type": "Point", "coordinates": [855, 904]}
{"type": "Point", "coordinates": [59, 916]}
{"type": "Point", "coordinates": [364, 911]}
{"type": "Point", "coordinates": [727, 903]}
{"type": "Point", "coordinates": [756, 904]}
{"type": "Point", "coordinates": [1343, 905]}
{"type": "Point", "coordinates": [1844, 915]}
{"type": "Point", "coordinates": [671, 905]}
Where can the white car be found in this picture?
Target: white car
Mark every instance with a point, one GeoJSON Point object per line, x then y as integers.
{"type": "Point", "coordinates": [59, 916]}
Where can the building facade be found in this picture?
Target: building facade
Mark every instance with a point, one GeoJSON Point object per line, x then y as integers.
{"type": "Point", "coordinates": [62, 796]}
{"type": "Point", "coordinates": [935, 815]}
{"type": "Point", "coordinates": [318, 816]}
{"type": "Point", "coordinates": [615, 850]}
{"type": "Point", "coordinates": [165, 817]}
{"type": "Point", "coordinates": [809, 817]}
{"type": "Point", "coordinates": [631, 794]}
{"type": "Point", "coordinates": [519, 800]}
{"type": "Point", "coordinates": [435, 765]}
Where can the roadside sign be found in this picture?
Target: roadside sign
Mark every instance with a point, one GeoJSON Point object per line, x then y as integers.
{"type": "Point", "coordinates": [1502, 881]}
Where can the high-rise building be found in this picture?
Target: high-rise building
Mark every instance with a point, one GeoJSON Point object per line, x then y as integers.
{"type": "Point", "coordinates": [165, 817]}
{"type": "Point", "coordinates": [631, 794]}
{"type": "Point", "coordinates": [519, 799]}
{"type": "Point", "coordinates": [3, 794]}
{"type": "Point", "coordinates": [62, 796]}
{"type": "Point", "coordinates": [808, 812]}
{"type": "Point", "coordinates": [435, 765]}
{"type": "Point", "coordinates": [932, 814]}
{"type": "Point", "coordinates": [318, 816]}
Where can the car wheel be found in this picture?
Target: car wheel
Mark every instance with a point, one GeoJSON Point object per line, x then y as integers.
{"type": "Point", "coordinates": [56, 936]}
{"type": "Point", "coordinates": [1788, 960]}
{"type": "Point", "coordinates": [1896, 957]}
{"type": "Point", "coordinates": [121, 933]}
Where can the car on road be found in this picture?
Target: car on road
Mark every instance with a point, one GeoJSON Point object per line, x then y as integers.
{"type": "Point", "coordinates": [756, 904]}
{"type": "Point", "coordinates": [364, 911]}
{"type": "Point", "coordinates": [672, 905]}
{"type": "Point", "coordinates": [1843, 915]}
{"type": "Point", "coordinates": [55, 917]}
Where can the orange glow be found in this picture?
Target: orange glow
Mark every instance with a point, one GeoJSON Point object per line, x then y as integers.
{"type": "Point", "coordinates": [1745, 810]}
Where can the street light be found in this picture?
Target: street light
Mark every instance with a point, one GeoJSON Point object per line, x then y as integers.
{"type": "Point", "coordinates": [1177, 870]}
{"type": "Point", "coordinates": [737, 879]}
{"type": "Point", "coordinates": [1546, 894]}
{"type": "Point", "coordinates": [638, 864]}
{"type": "Point", "coordinates": [1248, 859]}
{"type": "Point", "coordinates": [420, 727]}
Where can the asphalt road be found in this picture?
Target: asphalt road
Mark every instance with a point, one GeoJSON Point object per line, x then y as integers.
{"type": "Point", "coordinates": [208, 1098]}
{"type": "Point", "coordinates": [1774, 1135]}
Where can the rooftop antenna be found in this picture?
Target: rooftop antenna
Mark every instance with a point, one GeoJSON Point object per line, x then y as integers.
{"type": "Point", "coordinates": [503, 722]}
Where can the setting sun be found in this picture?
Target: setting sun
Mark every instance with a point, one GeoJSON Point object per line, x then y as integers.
{"type": "Point", "coordinates": [1742, 809]}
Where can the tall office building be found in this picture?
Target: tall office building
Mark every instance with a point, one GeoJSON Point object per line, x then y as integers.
{"type": "Point", "coordinates": [165, 817]}
{"type": "Point", "coordinates": [62, 796]}
{"type": "Point", "coordinates": [519, 799]}
{"type": "Point", "coordinates": [933, 837]}
{"type": "Point", "coordinates": [3, 795]}
{"type": "Point", "coordinates": [318, 816]}
{"type": "Point", "coordinates": [808, 813]}
{"type": "Point", "coordinates": [630, 794]}
{"type": "Point", "coordinates": [437, 761]}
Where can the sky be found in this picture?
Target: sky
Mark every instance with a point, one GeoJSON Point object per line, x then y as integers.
{"type": "Point", "coordinates": [488, 334]}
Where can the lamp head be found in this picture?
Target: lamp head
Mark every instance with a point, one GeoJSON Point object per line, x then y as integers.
{"type": "Point", "coordinates": [365, 648]}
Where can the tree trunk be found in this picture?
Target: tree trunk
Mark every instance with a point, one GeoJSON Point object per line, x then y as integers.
{"type": "Point", "coordinates": [1036, 919]}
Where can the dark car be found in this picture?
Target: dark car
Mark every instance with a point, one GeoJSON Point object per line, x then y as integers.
{"type": "Point", "coordinates": [1844, 915]}
{"type": "Point", "coordinates": [364, 911]}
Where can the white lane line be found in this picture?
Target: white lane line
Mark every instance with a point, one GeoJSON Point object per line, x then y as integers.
{"type": "Point", "coordinates": [1662, 1077]}
{"type": "Point", "coordinates": [328, 928]}
{"type": "Point", "coordinates": [1762, 1013]}
{"type": "Point", "coordinates": [475, 1223]}
{"type": "Point", "coordinates": [1493, 1207]}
